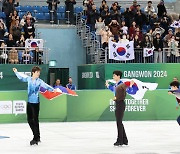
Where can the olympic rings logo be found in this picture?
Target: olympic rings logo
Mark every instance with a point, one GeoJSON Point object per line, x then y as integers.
{"type": "Point", "coordinates": [5, 107]}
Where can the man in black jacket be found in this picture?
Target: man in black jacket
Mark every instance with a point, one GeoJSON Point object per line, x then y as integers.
{"type": "Point", "coordinates": [70, 10]}
{"type": "Point", "coordinates": [52, 6]}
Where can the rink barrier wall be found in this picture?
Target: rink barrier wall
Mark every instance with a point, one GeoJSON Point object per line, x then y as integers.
{"type": "Point", "coordinates": [93, 105]}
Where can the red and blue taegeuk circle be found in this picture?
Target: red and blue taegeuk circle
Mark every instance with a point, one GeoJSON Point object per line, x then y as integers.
{"type": "Point", "coordinates": [121, 51]}
{"type": "Point", "coordinates": [34, 44]}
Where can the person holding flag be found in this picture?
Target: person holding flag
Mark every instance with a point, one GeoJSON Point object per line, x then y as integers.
{"type": "Point", "coordinates": [120, 93]}
{"type": "Point", "coordinates": [33, 105]}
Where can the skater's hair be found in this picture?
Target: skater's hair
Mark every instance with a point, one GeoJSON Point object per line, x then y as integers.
{"type": "Point", "coordinates": [174, 84]}
{"type": "Point", "coordinates": [118, 73]}
{"type": "Point", "coordinates": [35, 68]}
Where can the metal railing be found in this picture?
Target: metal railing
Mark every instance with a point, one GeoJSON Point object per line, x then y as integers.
{"type": "Point", "coordinates": [168, 55]}
{"type": "Point", "coordinates": [22, 55]}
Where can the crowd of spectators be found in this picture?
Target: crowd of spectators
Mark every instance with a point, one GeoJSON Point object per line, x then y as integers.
{"type": "Point", "coordinates": [147, 27]}
{"type": "Point", "coordinates": [13, 33]}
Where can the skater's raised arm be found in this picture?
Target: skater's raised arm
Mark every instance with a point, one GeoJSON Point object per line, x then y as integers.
{"type": "Point", "coordinates": [21, 76]}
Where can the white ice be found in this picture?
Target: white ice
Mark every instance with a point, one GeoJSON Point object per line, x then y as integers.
{"type": "Point", "coordinates": [145, 137]}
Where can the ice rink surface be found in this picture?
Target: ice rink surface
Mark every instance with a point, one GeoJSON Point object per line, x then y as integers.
{"type": "Point", "coordinates": [145, 137]}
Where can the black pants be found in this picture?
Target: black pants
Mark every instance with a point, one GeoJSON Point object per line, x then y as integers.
{"type": "Point", "coordinates": [33, 119]}
{"type": "Point", "coordinates": [120, 108]}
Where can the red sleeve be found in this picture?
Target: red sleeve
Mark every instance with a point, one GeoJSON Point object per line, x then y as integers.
{"type": "Point", "coordinates": [127, 83]}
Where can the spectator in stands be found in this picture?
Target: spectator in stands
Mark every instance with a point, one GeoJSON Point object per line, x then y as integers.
{"type": "Point", "coordinates": [9, 7]}
{"type": "Point", "coordinates": [105, 35]}
{"type": "Point", "coordinates": [16, 30]}
{"type": "Point", "coordinates": [167, 38]}
{"type": "Point", "coordinates": [103, 5]}
{"type": "Point", "coordinates": [70, 85]}
{"type": "Point", "coordinates": [139, 33]}
{"type": "Point", "coordinates": [133, 8]}
{"type": "Point", "coordinates": [124, 39]}
{"type": "Point", "coordinates": [93, 15]}
{"type": "Point", "coordinates": [21, 41]}
{"type": "Point", "coordinates": [2, 32]}
{"type": "Point", "coordinates": [147, 43]}
{"type": "Point", "coordinates": [29, 15]}
{"type": "Point", "coordinates": [158, 51]}
{"type": "Point", "coordinates": [158, 29]}
{"type": "Point", "coordinates": [124, 27]}
{"type": "Point", "coordinates": [140, 19]}
{"type": "Point", "coordinates": [29, 28]}
{"type": "Point", "coordinates": [115, 28]}
{"type": "Point", "coordinates": [165, 25]}
{"type": "Point", "coordinates": [173, 52]}
{"type": "Point", "coordinates": [149, 10]}
{"type": "Point", "coordinates": [37, 56]}
{"type": "Point", "coordinates": [98, 26]}
{"type": "Point", "coordinates": [13, 19]}
{"type": "Point", "coordinates": [154, 20]}
{"type": "Point", "coordinates": [117, 6]}
{"type": "Point", "coordinates": [3, 53]}
{"type": "Point", "coordinates": [128, 17]}
{"type": "Point", "coordinates": [13, 56]}
{"type": "Point", "coordinates": [161, 9]}
{"type": "Point", "coordinates": [52, 6]}
{"type": "Point", "coordinates": [22, 21]}
{"type": "Point", "coordinates": [138, 49]}
{"type": "Point", "coordinates": [105, 15]}
{"type": "Point", "coordinates": [132, 30]}
{"type": "Point", "coordinates": [178, 37]}
{"type": "Point", "coordinates": [10, 42]}
{"type": "Point", "coordinates": [58, 84]}
{"type": "Point", "coordinates": [115, 13]}
{"type": "Point", "coordinates": [70, 9]}
{"type": "Point", "coordinates": [149, 34]}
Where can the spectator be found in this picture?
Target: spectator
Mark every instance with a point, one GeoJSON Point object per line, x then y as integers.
{"type": "Point", "coordinates": [153, 21]}
{"type": "Point", "coordinates": [149, 10]}
{"type": "Point", "coordinates": [132, 30]}
{"type": "Point", "coordinates": [58, 84]}
{"type": "Point", "coordinates": [29, 28]}
{"type": "Point", "coordinates": [124, 27]}
{"type": "Point", "coordinates": [21, 42]}
{"type": "Point", "coordinates": [161, 9]}
{"type": "Point", "coordinates": [37, 56]}
{"type": "Point", "coordinates": [173, 52]}
{"type": "Point", "coordinates": [128, 17]}
{"type": "Point", "coordinates": [165, 25]}
{"type": "Point", "coordinates": [93, 15]}
{"type": "Point", "coordinates": [14, 17]}
{"type": "Point", "coordinates": [13, 56]}
{"type": "Point", "coordinates": [115, 13]}
{"type": "Point", "coordinates": [167, 38]}
{"type": "Point", "coordinates": [124, 39]}
{"type": "Point", "coordinates": [52, 6]}
{"type": "Point", "coordinates": [70, 7]}
{"type": "Point", "coordinates": [105, 35]}
{"type": "Point", "coordinates": [22, 21]}
{"type": "Point", "coordinates": [117, 6]}
{"type": "Point", "coordinates": [149, 34]}
{"type": "Point", "coordinates": [147, 43]}
{"type": "Point", "coordinates": [3, 53]}
{"type": "Point", "coordinates": [70, 85]}
{"type": "Point", "coordinates": [133, 8]}
{"type": "Point", "coordinates": [114, 28]}
{"type": "Point", "coordinates": [138, 49]}
{"type": "Point", "coordinates": [139, 33]}
{"type": "Point", "coordinates": [158, 30]}
{"type": "Point", "coordinates": [16, 31]}
{"type": "Point", "coordinates": [178, 37]}
{"type": "Point", "coordinates": [2, 32]}
{"type": "Point", "coordinates": [103, 5]}
{"type": "Point", "coordinates": [10, 42]}
{"type": "Point", "coordinates": [140, 19]}
{"type": "Point", "coordinates": [98, 26]}
{"type": "Point", "coordinates": [9, 7]}
{"type": "Point", "coordinates": [158, 51]}
{"type": "Point", "coordinates": [105, 15]}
